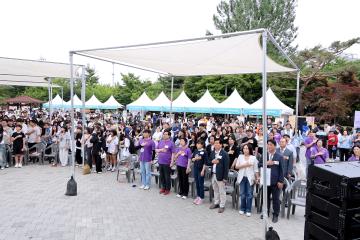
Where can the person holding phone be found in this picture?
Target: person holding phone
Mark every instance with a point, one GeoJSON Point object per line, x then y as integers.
{"type": "Point", "coordinates": [319, 154]}
{"type": "Point", "coordinates": [199, 159]}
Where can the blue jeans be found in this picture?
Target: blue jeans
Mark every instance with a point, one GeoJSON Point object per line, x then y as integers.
{"type": "Point", "coordinates": [145, 168]}
{"type": "Point", "coordinates": [246, 195]}
{"type": "Point", "coordinates": [199, 182]}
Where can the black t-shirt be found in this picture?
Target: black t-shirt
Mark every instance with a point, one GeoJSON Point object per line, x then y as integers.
{"type": "Point", "coordinates": [18, 143]}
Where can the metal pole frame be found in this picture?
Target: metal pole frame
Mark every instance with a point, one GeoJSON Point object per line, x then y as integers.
{"type": "Point", "coordinates": [50, 100]}
{"type": "Point", "coordinates": [62, 98]}
{"type": "Point", "coordinates": [171, 99]}
{"type": "Point", "coordinates": [83, 92]}
{"type": "Point", "coordinates": [297, 100]}
{"type": "Point", "coordinates": [264, 119]}
{"type": "Point", "coordinates": [72, 116]}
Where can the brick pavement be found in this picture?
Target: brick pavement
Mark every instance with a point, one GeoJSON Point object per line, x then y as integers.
{"type": "Point", "coordinates": [33, 206]}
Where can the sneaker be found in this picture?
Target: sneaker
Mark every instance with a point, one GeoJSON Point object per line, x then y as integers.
{"type": "Point", "coordinates": [142, 187]}
{"type": "Point", "coordinates": [196, 200]}
{"type": "Point", "coordinates": [184, 197]}
{"type": "Point", "coordinates": [221, 210]}
{"type": "Point", "coordinates": [16, 165]}
{"type": "Point", "coordinates": [109, 168]}
{"type": "Point", "coordinates": [248, 214]}
{"type": "Point", "coordinates": [7, 166]}
{"type": "Point", "coordinates": [167, 192]}
{"type": "Point", "coordinates": [99, 172]}
{"type": "Point", "coordinates": [2, 168]}
{"type": "Point", "coordinates": [113, 169]}
{"type": "Point", "coordinates": [20, 165]}
{"type": "Point", "coordinates": [162, 191]}
{"type": "Point", "coordinates": [241, 212]}
{"type": "Point", "coordinates": [199, 201]}
{"type": "Point", "coordinates": [146, 188]}
{"type": "Point", "coordinates": [213, 206]}
{"type": "Point", "coordinates": [178, 195]}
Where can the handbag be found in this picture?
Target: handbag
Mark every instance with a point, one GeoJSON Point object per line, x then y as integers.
{"type": "Point", "coordinates": [125, 153]}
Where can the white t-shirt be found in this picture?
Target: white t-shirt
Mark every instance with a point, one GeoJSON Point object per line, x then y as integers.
{"type": "Point", "coordinates": [34, 137]}
{"type": "Point", "coordinates": [112, 148]}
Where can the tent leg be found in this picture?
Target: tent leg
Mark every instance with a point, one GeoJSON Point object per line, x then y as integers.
{"type": "Point", "coordinates": [83, 89]}
{"type": "Point", "coordinates": [171, 99]}
{"type": "Point", "coordinates": [264, 119]}
{"type": "Point", "coordinates": [297, 99]}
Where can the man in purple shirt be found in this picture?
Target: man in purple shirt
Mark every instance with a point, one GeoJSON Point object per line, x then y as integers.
{"type": "Point", "coordinates": [165, 150]}
{"type": "Point", "coordinates": [147, 146]}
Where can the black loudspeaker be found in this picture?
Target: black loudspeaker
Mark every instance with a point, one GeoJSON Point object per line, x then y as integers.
{"type": "Point", "coordinates": [333, 202]}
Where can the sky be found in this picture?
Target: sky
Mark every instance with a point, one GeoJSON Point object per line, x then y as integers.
{"type": "Point", "coordinates": [43, 29]}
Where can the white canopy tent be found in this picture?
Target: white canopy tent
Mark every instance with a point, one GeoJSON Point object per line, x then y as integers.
{"type": "Point", "coordinates": [232, 53]}
{"type": "Point", "coordinates": [140, 103]}
{"type": "Point", "coordinates": [111, 103]}
{"type": "Point", "coordinates": [93, 103]}
{"type": "Point", "coordinates": [182, 103]}
{"type": "Point", "coordinates": [234, 104]}
{"type": "Point", "coordinates": [26, 81]}
{"type": "Point", "coordinates": [274, 106]}
{"type": "Point", "coordinates": [57, 102]}
{"type": "Point", "coordinates": [206, 104]}
{"type": "Point", "coordinates": [160, 103]}
{"type": "Point", "coordinates": [77, 103]}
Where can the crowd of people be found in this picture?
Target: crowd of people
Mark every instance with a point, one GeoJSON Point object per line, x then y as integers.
{"type": "Point", "coordinates": [192, 146]}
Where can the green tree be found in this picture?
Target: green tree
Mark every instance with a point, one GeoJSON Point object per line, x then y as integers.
{"type": "Point", "coordinates": [91, 77]}
{"type": "Point", "coordinates": [276, 15]}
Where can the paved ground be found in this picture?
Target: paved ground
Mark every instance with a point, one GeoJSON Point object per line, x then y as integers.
{"type": "Point", "coordinates": [33, 206]}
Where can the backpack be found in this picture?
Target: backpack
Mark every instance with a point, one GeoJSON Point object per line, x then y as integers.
{"type": "Point", "coordinates": [271, 234]}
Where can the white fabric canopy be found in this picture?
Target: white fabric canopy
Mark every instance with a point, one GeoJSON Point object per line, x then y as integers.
{"type": "Point", "coordinates": [233, 104]}
{"type": "Point", "coordinates": [25, 67]}
{"type": "Point", "coordinates": [93, 103]}
{"type": "Point", "coordinates": [140, 104]}
{"type": "Point", "coordinates": [273, 106]}
{"type": "Point", "coordinates": [111, 103]}
{"type": "Point", "coordinates": [182, 103]}
{"type": "Point", "coordinates": [24, 81]}
{"type": "Point", "coordinates": [57, 102]}
{"type": "Point", "coordinates": [161, 103]}
{"type": "Point", "coordinates": [206, 104]}
{"type": "Point", "coordinates": [231, 55]}
{"type": "Point", "coordinates": [77, 102]}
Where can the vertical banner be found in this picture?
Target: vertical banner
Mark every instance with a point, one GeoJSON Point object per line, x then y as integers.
{"type": "Point", "coordinates": [357, 119]}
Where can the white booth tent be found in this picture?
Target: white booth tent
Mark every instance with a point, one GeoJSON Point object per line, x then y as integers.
{"type": "Point", "coordinates": [234, 104]}
{"type": "Point", "coordinates": [93, 103]}
{"type": "Point", "coordinates": [274, 106]}
{"type": "Point", "coordinates": [140, 104]}
{"type": "Point", "coordinates": [160, 103]}
{"type": "Point", "coordinates": [77, 103]}
{"type": "Point", "coordinates": [232, 53]}
{"type": "Point", "coordinates": [182, 103]}
{"type": "Point", "coordinates": [111, 103]}
{"type": "Point", "coordinates": [206, 104]}
{"type": "Point", "coordinates": [57, 102]}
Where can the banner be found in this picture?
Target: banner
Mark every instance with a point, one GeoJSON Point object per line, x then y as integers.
{"type": "Point", "coordinates": [357, 119]}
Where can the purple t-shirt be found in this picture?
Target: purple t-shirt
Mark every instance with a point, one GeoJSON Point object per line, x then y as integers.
{"type": "Point", "coordinates": [353, 158]}
{"type": "Point", "coordinates": [165, 157]}
{"type": "Point", "coordinates": [146, 151]}
{"type": "Point", "coordinates": [182, 159]}
{"type": "Point", "coordinates": [308, 140]}
{"type": "Point", "coordinates": [322, 158]}
{"type": "Point", "coordinates": [277, 137]}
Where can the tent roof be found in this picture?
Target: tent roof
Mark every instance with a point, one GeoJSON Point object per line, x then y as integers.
{"type": "Point", "coordinates": [140, 103]}
{"type": "Point", "coordinates": [182, 101]}
{"type": "Point", "coordinates": [233, 54]}
{"type": "Point", "coordinates": [57, 100]}
{"type": "Point", "coordinates": [160, 103]}
{"type": "Point", "coordinates": [93, 103]}
{"type": "Point", "coordinates": [22, 99]}
{"type": "Point", "coordinates": [26, 67]}
{"type": "Point", "coordinates": [206, 104]}
{"type": "Point", "coordinates": [26, 81]}
{"type": "Point", "coordinates": [234, 104]}
{"type": "Point", "coordinates": [272, 102]}
{"type": "Point", "coordinates": [77, 102]}
{"type": "Point", "coordinates": [111, 103]}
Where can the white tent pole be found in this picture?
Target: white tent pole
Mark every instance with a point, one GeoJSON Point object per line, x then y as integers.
{"type": "Point", "coordinates": [264, 118]}
{"type": "Point", "coordinates": [49, 103]}
{"type": "Point", "coordinates": [113, 75]}
{"type": "Point", "coordinates": [297, 99]}
{"type": "Point", "coordinates": [51, 99]}
{"type": "Point", "coordinates": [72, 116]}
{"type": "Point", "coordinates": [171, 98]}
{"type": "Point", "coordinates": [83, 92]}
{"type": "Point", "coordinates": [62, 98]}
